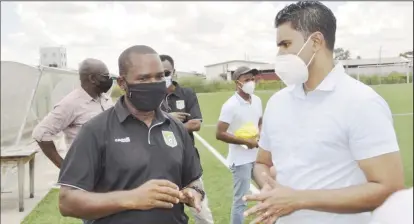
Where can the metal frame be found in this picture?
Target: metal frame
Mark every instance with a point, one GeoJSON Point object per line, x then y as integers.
{"type": "Point", "coordinates": [29, 108]}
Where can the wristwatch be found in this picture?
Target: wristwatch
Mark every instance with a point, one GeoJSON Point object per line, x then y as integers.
{"type": "Point", "coordinates": [200, 191]}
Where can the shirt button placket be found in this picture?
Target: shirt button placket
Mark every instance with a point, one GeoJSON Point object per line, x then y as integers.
{"type": "Point", "coordinates": [302, 128]}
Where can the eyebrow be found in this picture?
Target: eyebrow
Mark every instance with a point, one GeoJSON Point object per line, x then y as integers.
{"type": "Point", "coordinates": [149, 75]}
{"type": "Point", "coordinates": [282, 42]}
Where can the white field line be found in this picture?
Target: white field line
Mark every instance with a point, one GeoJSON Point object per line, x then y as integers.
{"type": "Point", "coordinates": [210, 148]}
{"type": "Point", "coordinates": [403, 114]}
{"type": "Point", "coordinates": [394, 115]}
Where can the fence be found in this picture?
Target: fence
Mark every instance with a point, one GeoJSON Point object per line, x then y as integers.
{"type": "Point", "coordinates": [381, 71]}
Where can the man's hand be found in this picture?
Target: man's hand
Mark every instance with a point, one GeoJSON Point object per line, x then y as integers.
{"type": "Point", "coordinates": [180, 115]}
{"type": "Point", "coordinates": [251, 143]}
{"type": "Point", "coordinates": [271, 219]}
{"type": "Point", "coordinates": [154, 194]}
{"type": "Point", "coordinates": [192, 198]}
{"type": "Point", "coordinates": [278, 201]}
{"type": "Point", "coordinates": [192, 125]}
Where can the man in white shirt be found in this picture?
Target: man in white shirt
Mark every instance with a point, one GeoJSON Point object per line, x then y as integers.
{"type": "Point", "coordinates": [330, 137]}
{"type": "Point", "coordinates": [241, 110]}
{"type": "Point", "coordinates": [398, 208]}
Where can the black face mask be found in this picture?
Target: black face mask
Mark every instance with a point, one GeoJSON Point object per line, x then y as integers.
{"type": "Point", "coordinates": [146, 96]}
{"type": "Point", "coordinates": [104, 86]}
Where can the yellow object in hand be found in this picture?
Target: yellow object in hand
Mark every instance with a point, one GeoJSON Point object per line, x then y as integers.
{"type": "Point", "coordinates": [247, 131]}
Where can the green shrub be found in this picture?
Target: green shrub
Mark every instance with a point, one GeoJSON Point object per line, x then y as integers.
{"type": "Point", "coordinates": [392, 78]}
{"type": "Point", "coordinates": [200, 85]}
{"type": "Point", "coordinates": [117, 91]}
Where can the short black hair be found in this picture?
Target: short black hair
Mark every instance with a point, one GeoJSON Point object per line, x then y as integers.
{"type": "Point", "coordinates": [308, 17]}
{"type": "Point", "coordinates": [168, 58]}
{"type": "Point", "coordinates": [124, 61]}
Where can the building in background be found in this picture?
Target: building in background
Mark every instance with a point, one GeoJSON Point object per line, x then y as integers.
{"type": "Point", "coordinates": [223, 70]}
{"type": "Point", "coordinates": [182, 74]}
{"type": "Point", "coordinates": [377, 66]}
{"type": "Point", "coordinates": [355, 67]}
{"type": "Point", "coordinates": [53, 57]}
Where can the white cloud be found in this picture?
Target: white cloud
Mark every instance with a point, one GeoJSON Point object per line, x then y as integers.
{"type": "Point", "coordinates": [364, 27]}
{"type": "Point", "coordinates": [194, 33]}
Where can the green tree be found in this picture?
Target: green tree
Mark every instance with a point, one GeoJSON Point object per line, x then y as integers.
{"type": "Point", "coordinates": [341, 54]}
{"type": "Point", "coordinates": [406, 54]}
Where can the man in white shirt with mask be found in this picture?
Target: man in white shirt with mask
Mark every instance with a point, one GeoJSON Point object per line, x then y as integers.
{"type": "Point", "coordinates": [330, 137]}
{"type": "Point", "coordinates": [242, 111]}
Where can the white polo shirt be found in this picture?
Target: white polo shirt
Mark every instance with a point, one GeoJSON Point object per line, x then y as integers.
{"type": "Point", "coordinates": [317, 139]}
{"type": "Point", "coordinates": [398, 208]}
{"type": "Point", "coordinates": [237, 112]}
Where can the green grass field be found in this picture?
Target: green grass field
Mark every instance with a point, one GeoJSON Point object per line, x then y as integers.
{"type": "Point", "coordinates": [217, 178]}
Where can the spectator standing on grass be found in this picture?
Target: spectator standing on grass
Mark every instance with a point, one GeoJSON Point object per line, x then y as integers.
{"type": "Point", "coordinates": [330, 137]}
{"type": "Point", "coordinates": [132, 163]}
{"type": "Point", "coordinates": [243, 108]}
{"type": "Point", "coordinates": [75, 109]}
{"type": "Point", "coordinates": [182, 103]}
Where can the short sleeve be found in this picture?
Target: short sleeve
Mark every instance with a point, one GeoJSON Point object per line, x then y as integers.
{"type": "Point", "coordinates": [55, 121]}
{"type": "Point", "coordinates": [264, 141]}
{"type": "Point", "coordinates": [82, 165]}
{"type": "Point", "coordinates": [191, 165]}
{"type": "Point", "coordinates": [371, 130]}
{"type": "Point", "coordinates": [193, 107]}
{"type": "Point", "coordinates": [226, 114]}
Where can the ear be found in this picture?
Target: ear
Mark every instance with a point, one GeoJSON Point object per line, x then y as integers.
{"type": "Point", "coordinates": [318, 41]}
{"type": "Point", "coordinates": [121, 82]}
{"type": "Point", "coordinates": [92, 79]}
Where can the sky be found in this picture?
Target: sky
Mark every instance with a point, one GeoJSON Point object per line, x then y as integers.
{"type": "Point", "coordinates": [195, 34]}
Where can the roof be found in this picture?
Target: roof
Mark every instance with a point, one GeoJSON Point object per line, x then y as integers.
{"type": "Point", "coordinates": [226, 62]}
{"type": "Point", "coordinates": [374, 61]}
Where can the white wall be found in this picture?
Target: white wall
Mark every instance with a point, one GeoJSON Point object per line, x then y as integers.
{"type": "Point", "coordinates": [381, 70]}
{"type": "Point", "coordinates": [181, 74]}
{"type": "Point", "coordinates": [53, 55]}
{"type": "Point", "coordinates": [213, 72]}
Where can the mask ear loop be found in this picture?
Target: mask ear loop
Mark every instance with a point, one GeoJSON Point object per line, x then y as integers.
{"type": "Point", "coordinates": [300, 51]}
{"type": "Point", "coordinates": [303, 48]}
{"type": "Point", "coordinates": [311, 59]}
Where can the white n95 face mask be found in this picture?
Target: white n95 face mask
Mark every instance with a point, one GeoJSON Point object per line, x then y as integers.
{"type": "Point", "coordinates": [168, 81]}
{"type": "Point", "coordinates": [249, 87]}
{"type": "Point", "coordinates": [291, 69]}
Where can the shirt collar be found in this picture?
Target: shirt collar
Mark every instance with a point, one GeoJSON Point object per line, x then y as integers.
{"type": "Point", "coordinates": [241, 100]}
{"type": "Point", "coordinates": [123, 113]}
{"type": "Point", "coordinates": [88, 97]}
{"type": "Point", "coordinates": [328, 84]}
{"type": "Point", "coordinates": [177, 90]}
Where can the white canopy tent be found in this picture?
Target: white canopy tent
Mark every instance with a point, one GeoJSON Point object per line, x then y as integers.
{"type": "Point", "coordinates": [28, 93]}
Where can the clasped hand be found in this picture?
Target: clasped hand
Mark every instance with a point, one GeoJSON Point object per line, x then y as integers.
{"type": "Point", "coordinates": [161, 194]}
{"type": "Point", "coordinates": [274, 201]}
